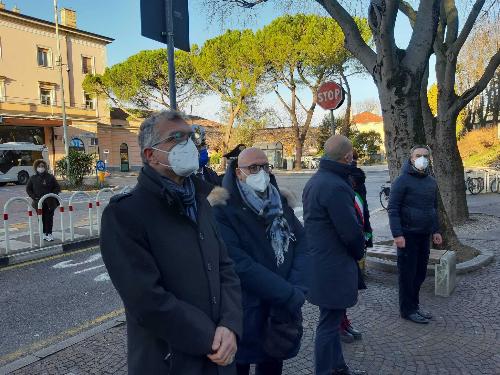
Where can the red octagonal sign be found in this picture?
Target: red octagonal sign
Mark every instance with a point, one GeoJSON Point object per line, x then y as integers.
{"type": "Point", "coordinates": [330, 95]}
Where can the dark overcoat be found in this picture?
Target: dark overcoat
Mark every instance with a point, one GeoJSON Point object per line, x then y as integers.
{"type": "Point", "coordinates": [335, 236]}
{"type": "Point", "coordinates": [41, 184]}
{"type": "Point", "coordinates": [174, 276]}
{"type": "Point", "coordinates": [413, 204]}
{"type": "Point", "coordinates": [264, 284]}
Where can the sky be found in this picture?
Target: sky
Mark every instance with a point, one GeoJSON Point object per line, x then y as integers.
{"type": "Point", "coordinates": [120, 19]}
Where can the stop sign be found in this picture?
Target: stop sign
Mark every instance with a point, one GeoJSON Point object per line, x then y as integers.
{"type": "Point", "coordinates": [330, 95]}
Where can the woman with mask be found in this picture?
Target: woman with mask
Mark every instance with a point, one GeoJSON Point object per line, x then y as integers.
{"type": "Point", "coordinates": [41, 183]}
{"type": "Point", "coordinates": [267, 244]}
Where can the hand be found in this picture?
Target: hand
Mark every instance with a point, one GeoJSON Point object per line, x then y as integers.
{"type": "Point", "coordinates": [437, 239]}
{"type": "Point", "coordinates": [224, 347]}
{"type": "Point", "coordinates": [400, 242]}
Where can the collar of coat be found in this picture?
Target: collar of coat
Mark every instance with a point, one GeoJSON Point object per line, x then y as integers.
{"type": "Point", "coordinates": [343, 170]}
{"type": "Point", "coordinates": [219, 196]}
{"type": "Point", "coordinates": [149, 179]}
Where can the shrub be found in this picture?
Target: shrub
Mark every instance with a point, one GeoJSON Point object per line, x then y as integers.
{"type": "Point", "coordinates": [81, 164]}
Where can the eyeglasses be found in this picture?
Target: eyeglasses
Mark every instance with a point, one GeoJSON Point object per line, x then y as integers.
{"type": "Point", "coordinates": [179, 138]}
{"type": "Point", "coordinates": [255, 168]}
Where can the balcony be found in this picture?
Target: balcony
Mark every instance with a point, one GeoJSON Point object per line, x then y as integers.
{"type": "Point", "coordinates": [33, 107]}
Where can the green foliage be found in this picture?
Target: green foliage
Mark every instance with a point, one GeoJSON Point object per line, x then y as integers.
{"type": "Point", "coordinates": [247, 130]}
{"type": "Point", "coordinates": [432, 97]}
{"type": "Point", "coordinates": [81, 164]}
{"type": "Point", "coordinates": [215, 158]}
{"type": "Point", "coordinates": [230, 65]}
{"type": "Point", "coordinates": [366, 144]}
{"type": "Point", "coordinates": [142, 80]}
{"type": "Point", "coordinates": [325, 131]}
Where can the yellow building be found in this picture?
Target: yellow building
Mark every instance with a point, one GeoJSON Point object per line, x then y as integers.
{"type": "Point", "coordinates": [368, 121]}
{"type": "Point", "coordinates": [30, 92]}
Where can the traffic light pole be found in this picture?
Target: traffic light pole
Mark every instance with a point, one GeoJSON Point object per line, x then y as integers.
{"type": "Point", "coordinates": [170, 55]}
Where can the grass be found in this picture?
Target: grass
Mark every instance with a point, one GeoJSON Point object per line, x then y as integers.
{"type": "Point", "coordinates": [480, 148]}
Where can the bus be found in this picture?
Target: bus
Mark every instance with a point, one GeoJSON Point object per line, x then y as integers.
{"type": "Point", "coordinates": [16, 161]}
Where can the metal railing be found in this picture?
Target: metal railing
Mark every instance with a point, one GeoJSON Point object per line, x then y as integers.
{"type": "Point", "coordinates": [6, 221]}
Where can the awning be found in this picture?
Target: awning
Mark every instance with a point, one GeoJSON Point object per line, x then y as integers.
{"type": "Point", "coordinates": [15, 121]}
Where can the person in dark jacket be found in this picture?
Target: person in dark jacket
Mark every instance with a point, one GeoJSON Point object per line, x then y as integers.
{"type": "Point", "coordinates": [413, 219]}
{"type": "Point", "coordinates": [204, 172]}
{"type": "Point", "coordinates": [165, 257]}
{"type": "Point", "coordinates": [336, 241]}
{"type": "Point", "coordinates": [267, 243]}
{"type": "Point", "coordinates": [40, 184]}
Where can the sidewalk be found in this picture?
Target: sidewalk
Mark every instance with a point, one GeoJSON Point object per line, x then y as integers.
{"type": "Point", "coordinates": [463, 338]}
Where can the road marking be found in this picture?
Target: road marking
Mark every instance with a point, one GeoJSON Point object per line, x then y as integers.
{"type": "Point", "coordinates": [68, 333]}
{"type": "Point", "coordinates": [88, 269]}
{"type": "Point", "coordinates": [57, 256]}
{"type": "Point", "coordinates": [102, 277]}
{"type": "Point", "coordinates": [68, 263]}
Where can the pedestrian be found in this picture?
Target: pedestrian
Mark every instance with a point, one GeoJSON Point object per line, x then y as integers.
{"type": "Point", "coordinates": [267, 243]}
{"type": "Point", "coordinates": [40, 184]}
{"type": "Point", "coordinates": [204, 172]}
{"type": "Point", "coordinates": [336, 242]}
{"type": "Point", "coordinates": [413, 219]}
{"type": "Point", "coordinates": [165, 257]}
{"type": "Point", "coordinates": [357, 178]}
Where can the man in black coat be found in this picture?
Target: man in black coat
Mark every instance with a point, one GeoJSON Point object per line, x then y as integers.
{"type": "Point", "coordinates": [336, 241]}
{"type": "Point", "coordinates": [268, 245]}
{"type": "Point", "coordinates": [165, 257]}
{"type": "Point", "coordinates": [413, 219]}
{"type": "Point", "coordinates": [204, 172]}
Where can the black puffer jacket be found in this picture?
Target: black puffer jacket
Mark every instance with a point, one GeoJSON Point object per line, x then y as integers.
{"type": "Point", "coordinates": [413, 203]}
{"type": "Point", "coordinates": [40, 184]}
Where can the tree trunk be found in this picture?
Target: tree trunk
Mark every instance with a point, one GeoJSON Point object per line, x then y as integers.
{"type": "Point", "coordinates": [299, 146]}
{"type": "Point", "coordinates": [449, 171]}
{"type": "Point", "coordinates": [227, 137]}
{"type": "Point", "coordinates": [346, 124]}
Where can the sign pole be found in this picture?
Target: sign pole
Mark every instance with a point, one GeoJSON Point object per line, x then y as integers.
{"type": "Point", "coordinates": [170, 54]}
{"type": "Point", "coordinates": [332, 119]}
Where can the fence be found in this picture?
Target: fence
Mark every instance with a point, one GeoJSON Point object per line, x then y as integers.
{"type": "Point", "coordinates": [94, 206]}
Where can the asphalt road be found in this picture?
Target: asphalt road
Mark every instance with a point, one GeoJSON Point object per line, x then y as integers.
{"type": "Point", "coordinates": [50, 300]}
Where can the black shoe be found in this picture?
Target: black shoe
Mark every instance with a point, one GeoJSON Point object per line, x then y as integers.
{"type": "Point", "coordinates": [346, 337]}
{"type": "Point", "coordinates": [424, 314]}
{"type": "Point", "coordinates": [347, 371]}
{"type": "Point", "coordinates": [353, 331]}
{"type": "Point", "coordinates": [416, 318]}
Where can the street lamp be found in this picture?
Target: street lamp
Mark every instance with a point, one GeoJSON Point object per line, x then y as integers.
{"type": "Point", "coordinates": [61, 80]}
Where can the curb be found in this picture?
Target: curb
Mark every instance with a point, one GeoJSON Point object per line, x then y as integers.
{"type": "Point", "coordinates": [44, 252]}
{"type": "Point", "coordinates": [52, 349]}
{"type": "Point", "coordinates": [482, 260]}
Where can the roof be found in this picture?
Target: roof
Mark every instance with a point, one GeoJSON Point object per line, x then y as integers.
{"type": "Point", "coordinates": [366, 117]}
{"type": "Point", "coordinates": [52, 24]}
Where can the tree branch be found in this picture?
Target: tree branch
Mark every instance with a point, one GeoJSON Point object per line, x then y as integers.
{"type": "Point", "coordinates": [451, 15]}
{"type": "Point", "coordinates": [422, 39]}
{"type": "Point", "coordinates": [353, 40]}
{"type": "Point", "coordinates": [480, 85]}
{"type": "Point", "coordinates": [469, 24]}
{"type": "Point", "coordinates": [285, 104]}
{"type": "Point", "coordinates": [406, 8]}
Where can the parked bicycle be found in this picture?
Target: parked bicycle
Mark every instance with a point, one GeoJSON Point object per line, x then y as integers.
{"type": "Point", "coordinates": [475, 185]}
{"type": "Point", "coordinates": [385, 192]}
{"type": "Point", "coordinates": [495, 181]}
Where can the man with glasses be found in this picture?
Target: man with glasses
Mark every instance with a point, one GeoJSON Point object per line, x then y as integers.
{"type": "Point", "coordinates": [164, 256]}
{"type": "Point", "coordinates": [267, 243]}
{"type": "Point", "coordinates": [413, 218]}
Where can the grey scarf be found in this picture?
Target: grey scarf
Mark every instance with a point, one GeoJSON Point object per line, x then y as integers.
{"type": "Point", "coordinates": [270, 208]}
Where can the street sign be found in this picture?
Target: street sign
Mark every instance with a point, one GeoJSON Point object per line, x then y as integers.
{"type": "Point", "coordinates": [154, 22]}
{"type": "Point", "coordinates": [100, 165]}
{"type": "Point", "coordinates": [330, 95]}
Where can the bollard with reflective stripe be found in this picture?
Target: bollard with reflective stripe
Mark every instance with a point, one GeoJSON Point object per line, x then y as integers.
{"type": "Point", "coordinates": [71, 210]}
{"type": "Point", "coordinates": [98, 206]}
{"type": "Point", "coordinates": [6, 221]}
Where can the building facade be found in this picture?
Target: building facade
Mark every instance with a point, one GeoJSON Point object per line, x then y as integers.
{"type": "Point", "coordinates": [30, 91]}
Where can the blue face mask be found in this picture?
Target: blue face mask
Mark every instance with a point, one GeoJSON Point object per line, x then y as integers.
{"type": "Point", "coordinates": [203, 157]}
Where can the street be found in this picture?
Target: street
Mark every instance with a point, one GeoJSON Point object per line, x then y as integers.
{"type": "Point", "coordinates": [55, 298]}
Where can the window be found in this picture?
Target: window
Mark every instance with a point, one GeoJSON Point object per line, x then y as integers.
{"type": "Point", "coordinates": [87, 66]}
{"type": "Point", "coordinates": [44, 56]}
{"type": "Point", "coordinates": [2, 90]}
{"type": "Point", "coordinates": [46, 96]}
{"type": "Point", "coordinates": [94, 141]}
{"type": "Point", "coordinates": [89, 101]}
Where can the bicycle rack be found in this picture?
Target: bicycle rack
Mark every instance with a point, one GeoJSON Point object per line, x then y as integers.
{"type": "Point", "coordinates": [98, 206]}
{"type": "Point", "coordinates": [70, 212]}
{"type": "Point", "coordinates": [6, 221]}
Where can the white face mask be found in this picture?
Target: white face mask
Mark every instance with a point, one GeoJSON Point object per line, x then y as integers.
{"type": "Point", "coordinates": [259, 181]}
{"type": "Point", "coordinates": [40, 169]}
{"type": "Point", "coordinates": [183, 159]}
{"type": "Point", "coordinates": [421, 163]}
